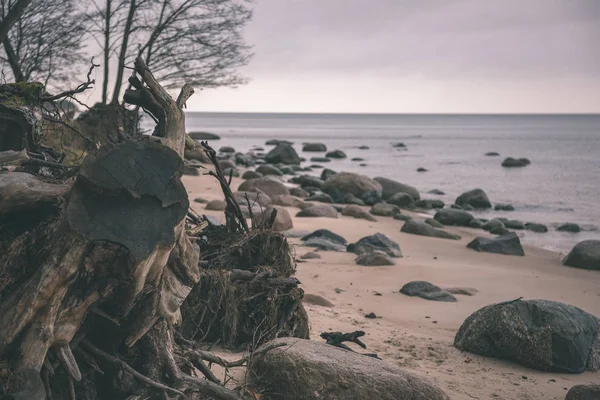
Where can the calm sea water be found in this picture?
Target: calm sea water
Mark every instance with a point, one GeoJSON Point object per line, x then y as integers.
{"type": "Point", "coordinates": [561, 185]}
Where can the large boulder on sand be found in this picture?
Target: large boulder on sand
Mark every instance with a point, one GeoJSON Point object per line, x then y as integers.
{"type": "Point", "coordinates": [584, 255]}
{"type": "Point", "coordinates": [374, 259]}
{"type": "Point", "coordinates": [401, 199]}
{"type": "Point", "coordinates": [384, 210]}
{"type": "Point", "coordinates": [287, 200]}
{"type": "Point", "coordinates": [584, 392]}
{"type": "Point", "coordinates": [427, 291]}
{"type": "Point", "coordinates": [319, 211]}
{"type": "Point", "coordinates": [355, 184]}
{"type": "Point", "coordinates": [378, 241]}
{"type": "Point", "coordinates": [356, 211]}
{"type": "Point", "coordinates": [539, 334]}
{"type": "Point", "coordinates": [508, 244]}
{"type": "Point", "coordinates": [302, 369]}
{"type": "Point", "coordinates": [268, 186]}
{"type": "Point", "coordinates": [453, 217]}
{"type": "Point", "coordinates": [283, 153]}
{"type": "Point", "coordinates": [283, 219]}
{"type": "Point", "coordinates": [475, 198]}
{"type": "Point", "coordinates": [421, 228]}
{"type": "Point", "coordinates": [253, 197]}
{"type": "Point", "coordinates": [391, 187]}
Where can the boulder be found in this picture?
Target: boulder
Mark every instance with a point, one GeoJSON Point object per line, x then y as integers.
{"type": "Point", "coordinates": [499, 230]}
{"type": "Point", "coordinates": [569, 227]}
{"type": "Point", "coordinates": [493, 224]}
{"type": "Point", "coordinates": [384, 210]}
{"type": "Point", "coordinates": [254, 197]}
{"type": "Point", "coordinates": [584, 392]}
{"type": "Point", "coordinates": [227, 149]}
{"type": "Point", "coordinates": [371, 197]}
{"type": "Point", "coordinates": [349, 198]}
{"type": "Point", "coordinates": [374, 259]}
{"type": "Point", "coordinates": [287, 200]}
{"type": "Point", "coordinates": [282, 153]}
{"type": "Point", "coordinates": [402, 217]}
{"type": "Point", "coordinates": [504, 207]}
{"type": "Point", "coordinates": [200, 200]}
{"type": "Point", "coordinates": [584, 255]}
{"type": "Point", "coordinates": [266, 185]}
{"type": "Point", "coordinates": [357, 159]}
{"type": "Point", "coordinates": [475, 198]}
{"type": "Point", "coordinates": [287, 170]}
{"type": "Point", "coordinates": [216, 205]}
{"type": "Point", "coordinates": [324, 243]}
{"type": "Point", "coordinates": [319, 211]}
{"type": "Point", "coordinates": [191, 170]}
{"type": "Point", "coordinates": [314, 147]}
{"type": "Point", "coordinates": [434, 223]}
{"type": "Point", "coordinates": [427, 291]}
{"type": "Point", "coordinates": [492, 154]}
{"type": "Point", "coordinates": [203, 136]}
{"type": "Point", "coordinates": [476, 223]}
{"type": "Point", "coordinates": [196, 154]}
{"type": "Point", "coordinates": [298, 192]}
{"type": "Point", "coordinates": [336, 154]}
{"type": "Point", "coordinates": [399, 145]}
{"type": "Point", "coordinates": [245, 160]}
{"type": "Point", "coordinates": [276, 142]}
{"type": "Point", "coordinates": [514, 224]}
{"type": "Point", "coordinates": [320, 197]}
{"type": "Point", "coordinates": [326, 173]}
{"type": "Point", "coordinates": [363, 147]}
{"type": "Point", "coordinates": [357, 212]}
{"type": "Point", "coordinates": [316, 300]}
{"type": "Point", "coordinates": [508, 244]}
{"type": "Point", "coordinates": [510, 162]}
{"type": "Point", "coordinates": [311, 255]}
{"type": "Point", "coordinates": [453, 217]}
{"type": "Point", "coordinates": [391, 187]}
{"type": "Point", "coordinates": [534, 227]}
{"type": "Point", "coordinates": [378, 241]}
{"type": "Point", "coordinates": [422, 229]}
{"type": "Point", "coordinates": [231, 172]}
{"type": "Point", "coordinates": [456, 206]}
{"type": "Point", "coordinates": [436, 191]}
{"type": "Point", "coordinates": [309, 181]}
{"type": "Point", "coordinates": [429, 204]}
{"type": "Point", "coordinates": [401, 199]}
{"type": "Point", "coordinates": [327, 234]}
{"type": "Point", "coordinates": [283, 219]}
{"type": "Point", "coordinates": [539, 334]}
{"type": "Point", "coordinates": [347, 182]}
{"type": "Point", "coordinates": [304, 369]}
{"type": "Point", "coordinates": [224, 164]}
{"type": "Point", "coordinates": [251, 175]}
{"type": "Point", "coordinates": [267, 169]}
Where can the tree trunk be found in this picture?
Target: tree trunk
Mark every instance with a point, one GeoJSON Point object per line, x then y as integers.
{"type": "Point", "coordinates": [106, 51]}
{"type": "Point", "coordinates": [13, 61]}
{"type": "Point", "coordinates": [123, 52]}
{"type": "Point", "coordinates": [12, 17]}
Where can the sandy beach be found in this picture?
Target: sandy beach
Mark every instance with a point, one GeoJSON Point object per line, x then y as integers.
{"type": "Point", "coordinates": [417, 334]}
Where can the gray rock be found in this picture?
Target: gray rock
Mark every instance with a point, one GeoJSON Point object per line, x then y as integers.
{"type": "Point", "coordinates": [314, 147]}
{"type": "Point", "coordinates": [456, 206]}
{"type": "Point", "coordinates": [283, 219]}
{"type": "Point", "coordinates": [254, 197]}
{"type": "Point", "coordinates": [203, 136]}
{"type": "Point", "coordinates": [323, 243]}
{"type": "Point", "coordinates": [216, 205]}
{"type": "Point", "coordinates": [421, 169]}
{"type": "Point", "coordinates": [534, 227]}
{"type": "Point", "coordinates": [427, 291]}
{"type": "Point", "coordinates": [287, 170]}
{"type": "Point", "coordinates": [422, 229]}
{"type": "Point", "coordinates": [316, 300]}
{"type": "Point", "coordinates": [504, 207]}
{"type": "Point", "coordinates": [287, 200]}
{"type": "Point", "coordinates": [269, 170]}
{"type": "Point", "coordinates": [584, 392]}
{"type": "Point", "coordinates": [282, 153]}
{"type": "Point", "coordinates": [311, 255]}
{"type": "Point", "coordinates": [326, 173]}
{"type": "Point", "coordinates": [499, 230]}
{"type": "Point", "coordinates": [402, 217]}
{"type": "Point", "coordinates": [453, 217]}
{"type": "Point", "coordinates": [584, 255]}
{"type": "Point", "coordinates": [358, 212]}
{"type": "Point", "coordinates": [514, 224]}
{"type": "Point", "coordinates": [200, 200]}
{"type": "Point", "coordinates": [492, 154]}
{"type": "Point", "coordinates": [510, 162]}
{"type": "Point", "coordinates": [357, 159]}
{"type": "Point", "coordinates": [298, 192]}
{"type": "Point", "coordinates": [320, 197]}
{"type": "Point", "coordinates": [309, 181]}
{"type": "Point", "coordinates": [493, 224]}
{"type": "Point", "coordinates": [304, 369]}
{"type": "Point", "coordinates": [374, 259]}
{"type": "Point", "coordinates": [226, 149]}
{"type": "Point", "coordinates": [224, 164]}
{"type": "Point", "coordinates": [364, 147]}
{"type": "Point", "coordinates": [320, 159]}
{"type": "Point", "coordinates": [434, 223]}
{"type": "Point", "coordinates": [475, 198]}
{"type": "Point", "coordinates": [464, 291]}
{"type": "Point", "coordinates": [391, 187]}
{"type": "Point", "coordinates": [401, 199]}
{"type": "Point", "coordinates": [378, 241]}
{"type": "Point", "coordinates": [336, 154]}
{"type": "Point", "coordinates": [349, 198]}
{"type": "Point", "coordinates": [231, 172]}
{"type": "Point", "coordinates": [319, 211]}
{"type": "Point", "coordinates": [347, 182]}
{"type": "Point", "coordinates": [251, 175]}
{"type": "Point", "coordinates": [384, 210]}
{"type": "Point", "coordinates": [436, 191]}
{"type": "Point", "coordinates": [508, 244]}
{"type": "Point", "coordinates": [539, 334]}
{"type": "Point", "coordinates": [569, 227]}
{"type": "Point", "coordinates": [326, 233]}
{"type": "Point", "coordinates": [276, 142]}
{"type": "Point", "coordinates": [268, 186]}
{"type": "Point", "coordinates": [429, 204]}
{"type": "Point", "coordinates": [399, 145]}
{"type": "Point", "coordinates": [191, 171]}
{"type": "Point", "coordinates": [476, 223]}
{"type": "Point", "coordinates": [371, 197]}
{"type": "Point", "coordinates": [196, 154]}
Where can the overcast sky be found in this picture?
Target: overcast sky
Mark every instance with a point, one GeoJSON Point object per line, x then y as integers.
{"type": "Point", "coordinates": [403, 56]}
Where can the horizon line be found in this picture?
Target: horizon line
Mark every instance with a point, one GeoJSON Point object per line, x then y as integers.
{"type": "Point", "coordinates": [400, 113]}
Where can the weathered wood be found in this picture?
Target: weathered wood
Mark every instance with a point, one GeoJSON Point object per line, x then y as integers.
{"type": "Point", "coordinates": [20, 192]}
{"type": "Point", "coordinates": [9, 157]}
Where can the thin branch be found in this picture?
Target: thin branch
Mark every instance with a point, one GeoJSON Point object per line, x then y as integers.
{"type": "Point", "coordinates": [81, 88]}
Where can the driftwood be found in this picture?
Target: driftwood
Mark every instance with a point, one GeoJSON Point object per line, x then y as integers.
{"type": "Point", "coordinates": [337, 339]}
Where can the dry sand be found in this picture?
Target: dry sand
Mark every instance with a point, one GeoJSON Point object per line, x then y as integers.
{"type": "Point", "coordinates": [417, 334]}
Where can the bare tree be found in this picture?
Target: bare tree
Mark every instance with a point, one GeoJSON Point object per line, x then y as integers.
{"type": "Point", "coordinates": [45, 43]}
{"type": "Point", "coordinates": [13, 13]}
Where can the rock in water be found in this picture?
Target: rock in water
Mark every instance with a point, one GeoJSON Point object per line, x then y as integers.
{"type": "Point", "coordinates": [401, 199]}
{"type": "Point", "coordinates": [436, 191]}
{"type": "Point", "coordinates": [357, 212]}
{"type": "Point", "coordinates": [203, 136]}
{"type": "Point", "coordinates": [283, 153]}
{"type": "Point", "coordinates": [539, 228]}
{"type": "Point", "coordinates": [492, 154]}
{"type": "Point", "coordinates": [508, 244]}
{"type": "Point", "coordinates": [420, 228]}
{"type": "Point", "coordinates": [276, 142]}
{"type": "Point", "coordinates": [453, 217]}
{"type": "Point", "coordinates": [514, 224]}
{"type": "Point", "coordinates": [584, 392]}
{"type": "Point", "coordinates": [510, 162]}
{"type": "Point", "coordinates": [315, 147]}
{"type": "Point", "coordinates": [269, 170]}
{"type": "Point", "coordinates": [303, 369]}
{"type": "Point", "coordinates": [385, 210]}
{"type": "Point", "coordinates": [475, 198]}
{"type": "Point", "coordinates": [584, 255]}
{"type": "Point", "coordinates": [391, 187]}
{"type": "Point", "coordinates": [429, 204]}
{"type": "Point", "coordinates": [327, 173]}
{"type": "Point", "coordinates": [540, 334]}
{"type": "Point", "coordinates": [427, 291]}
{"type": "Point", "coordinates": [319, 211]}
{"type": "Point", "coordinates": [347, 182]}
{"type": "Point", "coordinates": [374, 259]}
{"type": "Point", "coordinates": [378, 241]}
{"type": "Point", "coordinates": [265, 185]}
{"type": "Point", "coordinates": [569, 227]}
{"type": "Point", "coordinates": [504, 207]}
{"type": "Point", "coordinates": [493, 224]}
{"type": "Point", "coordinates": [336, 154]}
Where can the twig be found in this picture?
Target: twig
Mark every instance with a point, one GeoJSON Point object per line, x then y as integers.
{"type": "Point", "coordinates": [93, 349]}
{"type": "Point", "coordinates": [81, 88]}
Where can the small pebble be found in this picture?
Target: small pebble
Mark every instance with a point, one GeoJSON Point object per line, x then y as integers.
{"type": "Point", "coordinates": [435, 322]}
{"type": "Point", "coordinates": [377, 294]}
{"type": "Point", "coordinates": [371, 315]}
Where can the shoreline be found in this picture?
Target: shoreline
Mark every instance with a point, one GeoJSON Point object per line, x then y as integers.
{"type": "Point", "coordinates": [417, 334]}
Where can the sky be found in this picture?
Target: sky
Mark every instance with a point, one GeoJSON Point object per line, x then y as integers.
{"type": "Point", "coordinates": [418, 56]}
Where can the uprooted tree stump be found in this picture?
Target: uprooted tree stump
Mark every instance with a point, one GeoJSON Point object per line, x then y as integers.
{"type": "Point", "coordinates": [94, 270]}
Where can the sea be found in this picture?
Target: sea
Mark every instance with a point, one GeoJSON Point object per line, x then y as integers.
{"type": "Point", "coordinates": [562, 183]}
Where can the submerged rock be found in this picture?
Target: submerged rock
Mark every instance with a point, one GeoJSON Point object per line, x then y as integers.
{"type": "Point", "coordinates": [203, 136]}
{"type": "Point", "coordinates": [584, 255]}
{"type": "Point", "coordinates": [336, 154]}
{"type": "Point", "coordinates": [508, 244]}
{"type": "Point", "coordinates": [427, 291]}
{"type": "Point", "coordinates": [453, 217]}
{"type": "Point", "coordinates": [514, 224]}
{"type": "Point", "coordinates": [569, 227]}
{"type": "Point", "coordinates": [539, 228]}
{"type": "Point", "coordinates": [492, 154]}
{"type": "Point", "coordinates": [539, 334]}
{"type": "Point", "coordinates": [510, 162]}
{"type": "Point", "coordinates": [436, 191]}
{"type": "Point", "coordinates": [476, 198]}
{"type": "Point", "coordinates": [504, 207]}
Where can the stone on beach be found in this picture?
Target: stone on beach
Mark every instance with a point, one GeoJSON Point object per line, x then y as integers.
{"type": "Point", "coordinates": [510, 162]}
{"type": "Point", "coordinates": [508, 244]}
{"type": "Point", "coordinates": [253, 197]}
{"type": "Point", "coordinates": [358, 212]}
{"type": "Point", "coordinates": [385, 210]}
{"type": "Point", "coordinates": [585, 255]}
{"type": "Point", "coordinates": [287, 200]}
{"type": "Point", "coordinates": [453, 217]}
{"type": "Point", "coordinates": [355, 184]}
{"type": "Point", "coordinates": [267, 169]}
{"type": "Point", "coordinates": [422, 229]}
{"type": "Point", "coordinates": [378, 241]}
{"type": "Point", "coordinates": [427, 291]}
{"type": "Point", "coordinates": [535, 227]}
{"type": "Point", "coordinates": [283, 219]}
{"type": "Point", "coordinates": [282, 153]}
{"type": "Point", "coordinates": [476, 198]}
{"type": "Point", "coordinates": [327, 173]}
{"type": "Point", "coordinates": [316, 300]}
{"type": "Point", "coordinates": [391, 187]}
{"type": "Point", "coordinates": [336, 154]}
{"type": "Point", "coordinates": [401, 199]}
{"type": "Point", "coordinates": [319, 211]}
{"type": "Point", "coordinates": [216, 205]}
{"type": "Point", "coordinates": [251, 175]}
{"type": "Point", "coordinates": [311, 255]}
{"type": "Point", "coordinates": [268, 186]}
{"type": "Point", "coordinates": [569, 227]}
{"type": "Point", "coordinates": [203, 136]}
{"type": "Point", "coordinates": [374, 259]}
{"type": "Point", "coordinates": [584, 392]}
{"type": "Point", "coordinates": [314, 147]}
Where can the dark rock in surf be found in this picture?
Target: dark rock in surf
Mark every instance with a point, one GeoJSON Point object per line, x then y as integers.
{"type": "Point", "coordinates": [569, 227]}
{"type": "Point", "coordinates": [510, 162]}
{"type": "Point", "coordinates": [269, 170]}
{"type": "Point", "coordinates": [475, 198]}
{"type": "Point", "coordinates": [320, 159]}
{"type": "Point", "coordinates": [585, 255]}
{"type": "Point", "coordinates": [421, 169]}
{"type": "Point", "coordinates": [429, 204]}
{"type": "Point", "coordinates": [203, 136]}
{"type": "Point", "coordinates": [314, 147]}
{"type": "Point", "coordinates": [327, 173]}
{"type": "Point", "coordinates": [282, 153]}
{"type": "Point", "coordinates": [391, 187]}
{"type": "Point", "coordinates": [508, 244]}
{"type": "Point", "coordinates": [436, 191]}
{"type": "Point", "coordinates": [534, 227]}
{"type": "Point", "coordinates": [453, 217]}
{"type": "Point", "coordinates": [504, 207]}
{"type": "Point", "coordinates": [492, 154]}
{"type": "Point", "coordinates": [336, 154]}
